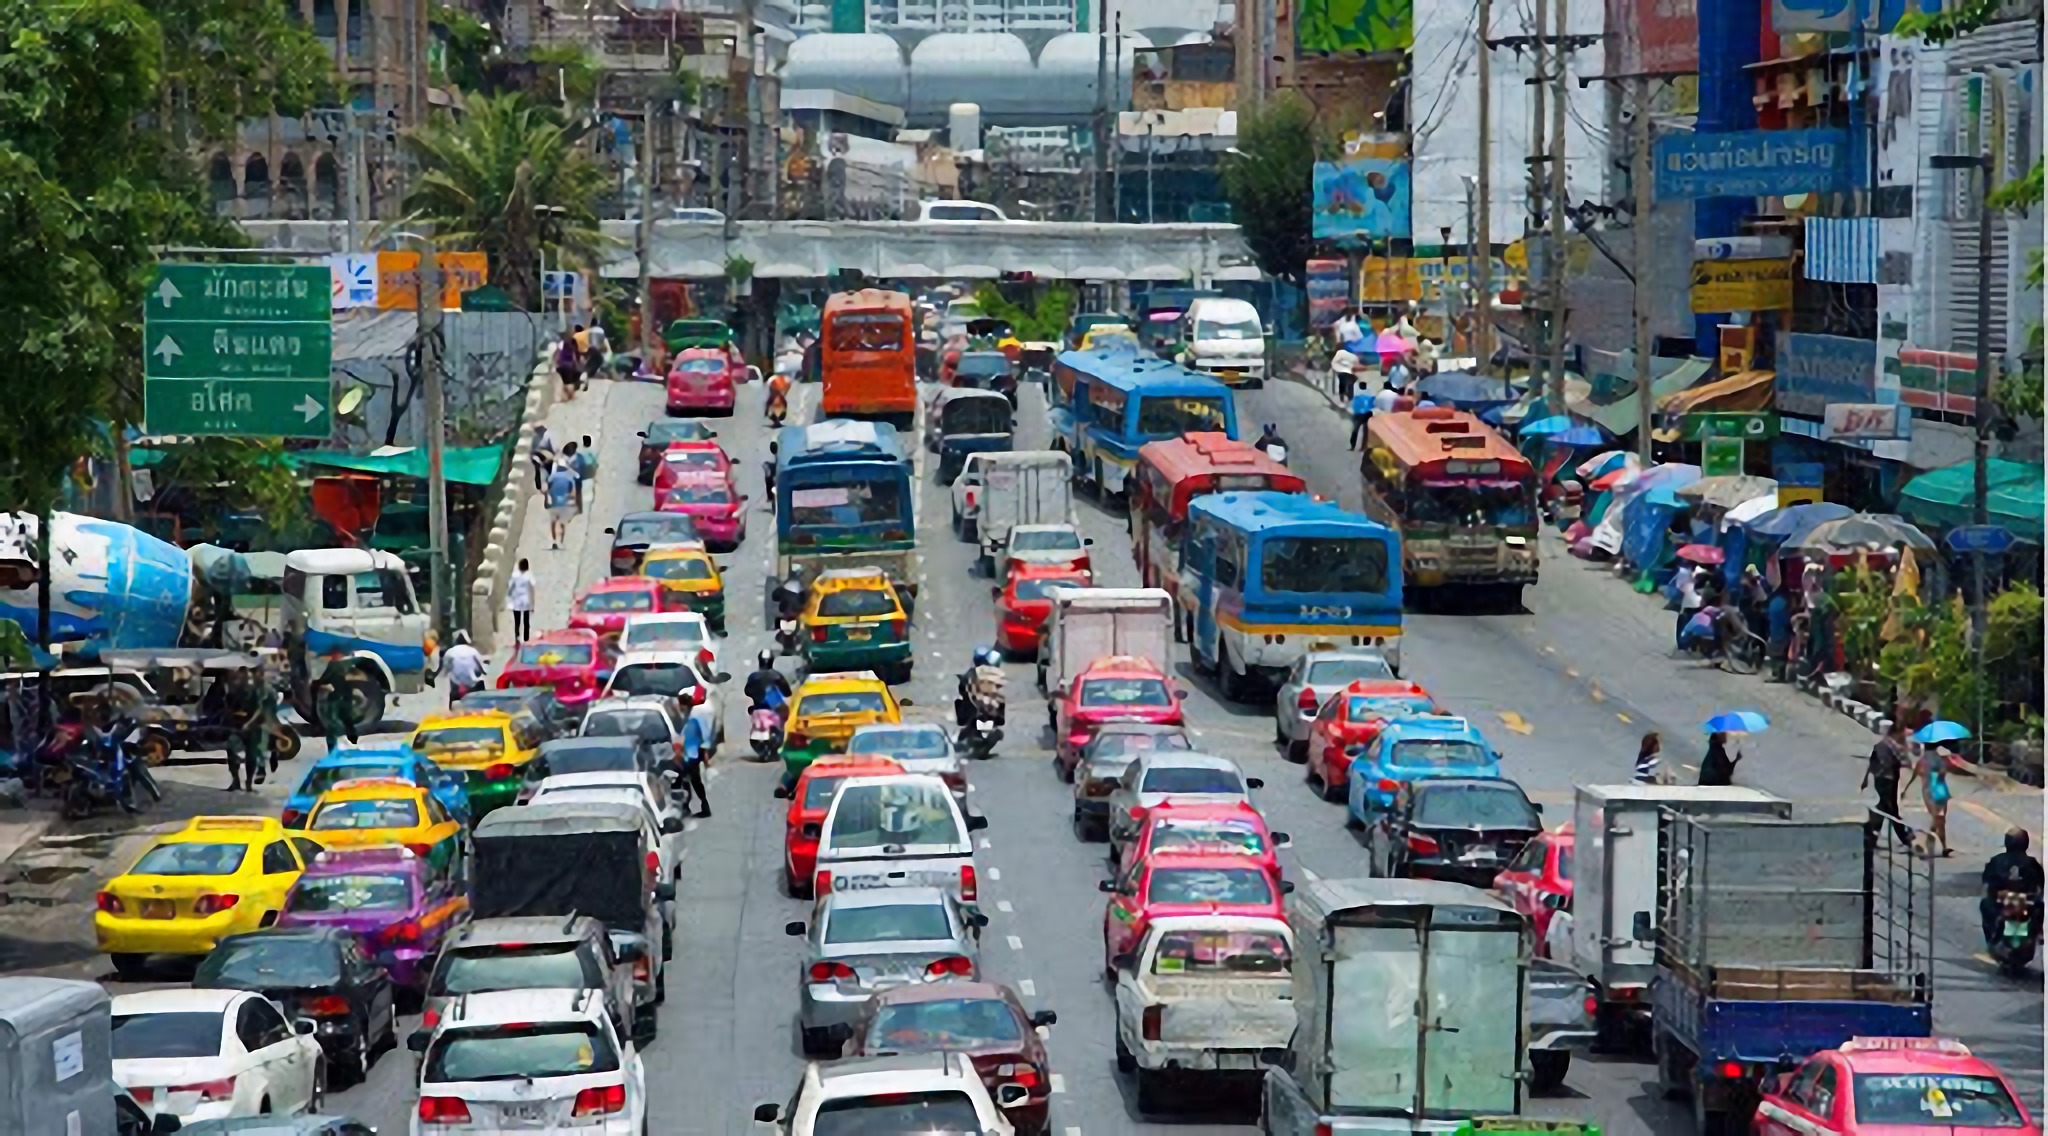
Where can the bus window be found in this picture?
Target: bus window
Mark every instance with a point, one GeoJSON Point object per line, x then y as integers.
{"type": "Point", "coordinates": [1474, 503]}
{"type": "Point", "coordinates": [1179, 414]}
{"type": "Point", "coordinates": [873, 331]}
{"type": "Point", "coordinates": [1229, 562]}
{"type": "Point", "coordinates": [1323, 564]}
{"type": "Point", "coordinates": [854, 503]}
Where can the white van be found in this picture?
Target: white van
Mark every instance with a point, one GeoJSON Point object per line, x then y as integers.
{"type": "Point", "coordinates": [1222, 338]}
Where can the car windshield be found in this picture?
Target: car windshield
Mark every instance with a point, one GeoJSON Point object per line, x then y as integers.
{"type": "Point", "coordinates": [270, 961]}
{"type": "Point", "coordinates": [555, 655]}
{"type": "Point", "coordinates": [1349, 668]}
{"type": "Point", "coordinates": [1114, 692]}
{"type": "Point", "coordinates": [142, 1037]}
{"type": "Point", "coordinates": [635, 600]}
{"type": "Point", "coordinates": [191, 858]}
{"type": "Point", "coordinates": [520, 1052]}
{"type": "Point", "coordinates": [894, 923]}
{"type": "Point", "coordinates": [895, 812]}
{"type": "Point", "coordinates": [666, 679]}
{"type": "Point", "coordinates": [1045, 540]}
{"type": "Point", "coordinates": [380, 812]}
{"type": "Point", "coordinates": [1191, 779]}
{"type": "Point", "coordinates": [980, 363]}
{"type": "Point", "coordinates": [478, 969]}
{"type": "Point", "coordinates": [1474, 806]}
{"type": "Point", "coordinates": [840, 702]}
{"type": "Point", "coordinates": [1041, 589]}
{"type": "Point", "coordinates": [856, 603]}
{"type": "Point", "coordinates": [443, 739]}
{"type": "Point", "coordinates": [1367, 706]}
{"type": "Point", "coordinates": [324, 777]}
{"type": "Point", "coordinates": [700, 366]}
{"type": "Point", "coordinates": [681, 430]}
{"type": "Point", "coordinates": [695, 459]}
{"type": "Point", "coordinates": [1174, 415]}
{"type": "Point", "coordinates": [326, 895]}
{"type": "Point", "coordinates": [662, 631]}
{"type": "Point", "coordinates": [1226, 329]}
{"type": "Point", "coordinates": [1227, 952]}
{"type": "Point", "coordinates": [944, 1113]}
{"type": "Point", "coordinates": [1209, 885]}
{"type": "Point", "coordinates": [1110, 743]}
{"type": "Point", "coordinates": [1207, 836]}
{"type": "Point", "coordinates": [697, 495]}
{"type": "Point", "coordinates": [818, 792]}
{"type": "Point", "coordinates": [1323, 564]}
{"type": "Point", "coordinates": [1944, 1100]}
{"type": "Point", "coordinates": [671, 528]}
{"type": "Point", "coordinates": [1438, 753]}
{"type": "Point", "coordinates": [648, 725]}
{"type": "Point", "coordinates": [910, 741]}
{"type": "Point", "coordinates": [595, 759]}
{"type": "Point", "coordinates": [947, 1023]}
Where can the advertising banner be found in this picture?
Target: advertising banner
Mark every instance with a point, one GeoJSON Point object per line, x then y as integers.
{"type": "Point", "coordinates": [1751, 163]}
{"type": "Point", "coordinates": [398, 277]}
{"type": "Point", "coordinates": [1355, 25]}
{"type": "Point", "coordinates": [1388, 280]}
{"type": "Point", "coordinates": [1741, 285]}
{"type": "Point", "coordinates": [1941, 381]}
{"type": "Point", "coordinates": [1815, 370]}
{"type": "Point", "coordinates": [1653, 37]}
{"type": "Point", "coordinates": [354, 277]}
{"type": "Point", "coordinates": [1361, 197]}
{"type": "Point", "coordinates": [1799, 483]}
{"type": "Point", "coordinates": [1329, 293]}
{"type": "Point", "coordinates": [1866, 421]}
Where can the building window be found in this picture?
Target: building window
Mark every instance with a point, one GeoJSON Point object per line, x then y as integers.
{"type": "Point", "coordinates": [291, 187]}
{"type": "Point", "coordinates": [326, 202]}
{"type": "Point", "coordinates": [256, 180]}
{"type": "Point", "coordinates": [220, 182]}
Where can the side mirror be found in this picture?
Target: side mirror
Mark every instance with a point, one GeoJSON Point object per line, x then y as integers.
{"type": "Point", "coordinates": [1286, 887]}
{"type": "Point", "coordinates": [1641, 931]}
{"type": "Point", "coordinates": [1281, 839]}
{"type": "Point", "coordinates": [416, 1041]}
{"type": "Point", "coordinates": [671, 826]}
{"type": "Point", "coordinates": [636, 434]}
{"type": "Point", "coordinates": [1011, 1095]}
{"type": "Point", "coordinates": [781, 794]}
{"type": "Point", "coordinates": [664, 893]}
{"type": "Point", "coordinates": [1106, 887]}
{"type": "Point", "coordinates": [767, 1113]}
{"type": "Point", "coordinates": [976, 822]}
{"type": "Point", "coordinates": [1180, 695]}
{"type": "Point", "coordinates": [812, 830]}
{"type": "Point", "coordinates": [1537, 806]}
{"type": "Point", "coordinates": [905, 702]}
{"type": "Point", "coordinates": [1044, 1018]}
{"type": "Point", "coordinates": [721, 677]}
{"type": "Point", "coordinates": [615, 532]}
{"type": "Point", "coordinates": [305, 1027]}
{"type": "Point", "coordinates": [164, 1122]}
{"type": "Point", "coordinates": [794, 928]}
{"type": "Point", "coordinates": [1087, 541]}
{"type": "Point", "coordinates": [1254, 782]}
{"type": "Point", "coordinates": [995, 592]}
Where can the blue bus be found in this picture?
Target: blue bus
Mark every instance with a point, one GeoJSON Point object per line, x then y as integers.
{"type": "Point", "coordinates": [1073, 372]}
{"type": "Point", "coordinates": [1122, 401]}
{"type": "Point", "coordinates": [843, 498]}
{"type": "Point", "coordinates": [1267, 577]}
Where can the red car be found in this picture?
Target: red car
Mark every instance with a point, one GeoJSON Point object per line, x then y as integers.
{"type": "Point", "coordinates": [1235, 830]}
{"type": "Point", "coordinates": [981, 1019]}
{"type": "Point", "coordinates": [1539, 881]}
{"type": "Point", "coordinates": [808, 804]}
{"type": "Point", "coordinates": [1025, 600]}
{"type": "Point", "coordinates": [709, 500]}
{"type": "Point", "coordinates": [686, 458]}
{"type": "Point", "coordinates": [1353, 717]}
{"type": "Point", "coordinates": [1180, 883]}
{"type": "Point", "coordinates": [575, 663]}
{"type": "Point", "coordinates": [1118, 688]}
{"type": "Point", "coordinates": [701, 380]}
{"type": "Point", "coordinates": [604, 607]}
{"type": "Point", "coordinates": [1893, 1086]}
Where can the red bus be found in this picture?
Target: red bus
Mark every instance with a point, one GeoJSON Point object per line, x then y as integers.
{"type": "Point", "coordinates": [1463, 497]}
{"type": "Point", "coordinates": [868, 357]}
{"type": "Point", "coordinates": [1175, 471]}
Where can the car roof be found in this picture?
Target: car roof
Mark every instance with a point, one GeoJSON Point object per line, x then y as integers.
{"type": "Point", "coordinates": [324, 932]}
{"type": "Point", "coordinates": [1386, 688]}
{"type": "Point", "coordinates": [1913, 1055]}
{"type": "Point", "coordinates": [628, 702]}
{"type": "Point", "coordinates": [930, 780]}
{"type": "Point", "coordinates": [911, 725]}
{"type": "Point", "coordinates": [1433, 726]}
{"type": "Point", "coordinates": [1112, 665]}
{"type": "Point", "coordinates": [467, 718]}
{"type": "Point", "coordinates": [1177, 859]}
{"type": "Point", "coordinates": [573, 636]}
{"type": "Point", "coordinates": [1141, 728]}
{"type": "Point", "coordinates": [840, 676]}
{"type": "Point", "coordinates": [646, 617]}
{"type": "Point", "coordinates": [369, 755]}
{"type": "Point", "coordinates": [621, 584]}
{"type": "Point", "coordinates": [601, 779]}
{"type": "Point", "coordinates": [522, 929]}
{"type": "Point", "coordinates": [897, 1072]}
{"type": "Point", "coordinates": [1207, 810]}
{"type": "Point", "coordinates": [885, 897]}
{"type": "Point", "coordinates": [226, 830]}
{"type": "Point", "coordinates": [615, 741]}
{"type": "Point", "coordinates": [371, 788]}
{"type": "Point", "coordinates": [372, 858]}
{"type": "Point", "coordinates": [850, 765]}
{"type": "Point", "coordinates": [176, 1000]}
{"type": "Point", "coordinates": [1441, 784]}
{"type": "Point", "coordinates": [1039, 570]}
{"type": "Point", "coordinates": [648, 515]}
{"type": "Point", "coordinates": [1328, 654]}
{"type": "Point", "coordinates": [532, 1004]}
{"type": "Point", "coordinates": [656, 656]}
{"type": "Point", "coordinates": [1046, 527]}
{"type": "Point", "coordinates": [948, 990]}
{"type": "Point", "coordinates": [1187, 759]}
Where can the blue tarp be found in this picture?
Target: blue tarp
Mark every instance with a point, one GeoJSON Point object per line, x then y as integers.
{"type": "Point", "coordinates": [1643, 543]}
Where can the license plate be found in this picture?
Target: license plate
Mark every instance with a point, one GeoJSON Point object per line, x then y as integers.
{"type": "Point", "coordinates": [860, 634]}
{"type": "Point", "coordinates": [530, 1113]}
{"type": "Point", "coordinates": [2015, 929]}
{"type": "Point", "coordinates": [1233, 374]}
{"type": "Point", "coordinates": [158, 909]}
{"type": "Point", "coordinates": [1480, 853]}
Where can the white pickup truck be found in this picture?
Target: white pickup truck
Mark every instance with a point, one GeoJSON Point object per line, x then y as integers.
{"type": "Point", "coordinates": [1203, 995]}
{"type": "Point", "coordinates": [901, 830]}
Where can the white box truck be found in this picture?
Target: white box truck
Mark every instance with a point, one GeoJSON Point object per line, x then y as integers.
{"type": "Point", "coordinates": [1087, 624]}
{"type": "Point", "coordinates": [1026, 487]}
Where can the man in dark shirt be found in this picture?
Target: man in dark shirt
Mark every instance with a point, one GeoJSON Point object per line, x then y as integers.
{"type": "Point", "coordinates": [2011, 870]}
{"type": "Point", "coordinates": [1887, 757]}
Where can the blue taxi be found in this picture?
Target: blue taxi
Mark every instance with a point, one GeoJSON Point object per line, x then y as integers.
{"type": "Point", "coordinates": [352, 763]}
{"type": "Point", "coordinates": [1411, 749]}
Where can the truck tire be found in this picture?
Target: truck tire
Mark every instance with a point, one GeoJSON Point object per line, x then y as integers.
{"type": "Point", "coordinates": [370, 698]}
{"type": "Point", "coordinates": [1547, 1068]}
{"type": "Point", "coordinates": [1125, 1062]}
{"type": "Point", "coordinates": [1709, 1118]}
{"type": "Point", "coordinates": [1151, 1091]}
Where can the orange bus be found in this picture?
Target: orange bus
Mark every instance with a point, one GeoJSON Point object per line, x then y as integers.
{"type": "Point", "coordinates": [1174, 471]}
{"type": "Point", "coordinates": [1463, 498]}
{"type": "Point", "coordinates": [868, 357]}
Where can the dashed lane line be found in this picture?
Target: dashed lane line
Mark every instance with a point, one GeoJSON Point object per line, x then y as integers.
{"type": "Point", "coordinates": [993, 873]}
{"type": "Point", "coordinates": [984, 844]}
{"type": "Point", "coordinates": [1029, 989]}
{"type": "Point", "coordinates": [1059, 1085]}
{"type": "Point", "coordinates": [1003, 905]}
{"type": "Point", "coordinates": [1016, 944]}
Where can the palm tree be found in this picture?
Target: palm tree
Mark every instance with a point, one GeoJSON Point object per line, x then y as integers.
{"type": "Point", "coordinates": [484, 176]}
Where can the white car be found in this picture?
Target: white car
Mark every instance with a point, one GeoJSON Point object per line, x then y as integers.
{"type": "Point", "coordinates": [918, 1092]}
{"type": "Point", "coordinates": [634, 788]}
{"type": "Point", "coordinates": [210, 1054]}
{"type": "Point", "coordinates": [1056, 545]}
{"type": "Point", "coordinates": [955, 211]}
{"type": "Point", "coordinates": [539, 1059]}
{"type": "Point", "coordinates": [967, 495]}
{"type": "Point", "coordinates": [667, 673]}
{"type": "Point", "coordinates": [684, 631]}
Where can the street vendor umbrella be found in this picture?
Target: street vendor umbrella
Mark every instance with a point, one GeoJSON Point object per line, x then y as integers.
{"type": "Point", "coordinates": [1464, 387]}
{"type": "Point", "coordinates": [1736, 722]}
{"type": "Point", "coordinates": [1942, 731]}
{"type": "Point", "coordinates": [1555, 424]}
{"type": "Point", "coordinates": [1728, 490]}
{"type": "Point", "coordinates": [1583, 435]}
{"type": "Point", "coordinates": [1797, 520]}
{"type": "Point", "coordinates": [1391, 343]}
{"type": "Point", "coordinates": [1864, 530]}
{"type": "Point", "coordinates": [1602, 464]}
{"type": "Point", "coordinates": [1613, 478]}
{"type": "Point", "coordinates": [1702, 554]}
{"type": "Point", "coordinates": [1750, 510]}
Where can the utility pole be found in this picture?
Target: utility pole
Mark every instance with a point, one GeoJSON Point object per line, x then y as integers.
{"type": "Point", "coordinates": [1101, 149]}
{"type": "Point", "coordinates": [1480, 272]}
{"type": "Point", "coordinates": [1538, 185]}
{"type": "Point", "coordinates": [1115, 119]}
{"type": "Point", "coordinates": [435, 412]}
{"type": "Point", "coordinates": [647, 231]}
{"type": "Point", "coordinates": [1560, 200]}
{"type": "Point", "coordinates": [1639, 185]}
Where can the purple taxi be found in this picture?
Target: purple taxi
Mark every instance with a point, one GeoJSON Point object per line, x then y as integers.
{"type": "Point", "coordinates": [390, 898]}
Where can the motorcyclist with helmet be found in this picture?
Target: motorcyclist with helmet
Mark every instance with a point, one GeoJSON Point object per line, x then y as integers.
{"type": "Point", "coordinates": [2011, 870]}
{"type": "Point", "coordinates": [788, 598]}
{"type": "Point", "coordinates": [764, 679]}
{"type": "Point", "coordinates": [979, 698]}
{"type": "Point", "coordinates": [1272, 444]}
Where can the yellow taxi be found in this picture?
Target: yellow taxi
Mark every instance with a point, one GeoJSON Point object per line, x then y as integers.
{"type": "Point", "coordinates": [689, 573]}
{"type": "Point", "coordinates": [853, 618]}
{"type": "Point", "coordinates": [1103, 334]}
{"type": "Point", "coordinates": [490, 750]}
{"type": "Point", "coordinates": [366, 812]}
{"type": "Point", "coordinates": [824, 712]}
{"type": "Point", "coordinates": [215, 877]}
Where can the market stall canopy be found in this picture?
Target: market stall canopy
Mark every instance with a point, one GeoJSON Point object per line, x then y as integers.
{"type": "Point", "coordinates": [1794, 521]}
{"type": "Point", "coordinates": [463, 465]}
{"type": "Point", "coordinates": [1943, 498]}
{"type": "Point", "coordinates": [1728, 490]}
{"type": "Point", "coordinates": [1750, 510]}
{"type": "Point", "coordinates": [1864, 530]}
{"type": "Point", "coordinates": [1465, 388]}
{"type": "Point", "coordinates": [1743, 391]}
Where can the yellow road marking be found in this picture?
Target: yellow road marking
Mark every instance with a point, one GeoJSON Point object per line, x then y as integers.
{"type": "Point", "coordinates": [1571, 672]}
{"type": "Point", "coordinates": [1516, 722]}
{"type": "Point", "coordinates": [1549, 650]}
{"type": "Point", "coordinates": [1625, 719]}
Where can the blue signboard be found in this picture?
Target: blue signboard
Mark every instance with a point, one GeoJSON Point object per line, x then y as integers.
{"type": "Point", "coordinates": [1752, 163]}
{"type": "Point", "coordinates": [1815, 370]}
{"type": "Point", "coordinates": [1991, 540]}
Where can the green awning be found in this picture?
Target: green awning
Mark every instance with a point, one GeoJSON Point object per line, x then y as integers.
{"type": "Point", "coordinates": [463, 465]}
{"type": "Point", "coordinates": [1942, 498]}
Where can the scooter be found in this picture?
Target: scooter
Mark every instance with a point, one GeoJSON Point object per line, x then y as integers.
{"type": "Point", "coordinates": [2013, 948]}
{"type": "Point", "coordinates": [785, 635]}
{"type": "Point", "coordinates": [105, 771]}
{"type": "Point", "coordinates": [764, 732]}
{"type": "Point", "coordinates": [980, 718]}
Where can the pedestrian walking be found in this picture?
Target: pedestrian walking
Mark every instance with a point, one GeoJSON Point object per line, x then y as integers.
{"type": "Point", "coordinates": [568, 367]}
{"type": "Point", "coordinates": [334, 699]}
{"type": "Point", "coordinates": [464, 666]}
{"type": "Point", "coordinates": [585, 467]}
{"type": "Point", "coordinates": [519, 596]}
{"type": "Point", "coordinates": [1386, 400]}
{"type": "Point", "coordinates": [596, 349]}
{"type": "Point", "coordinates": [570, 463]}
{"type": "Point", "coordinates": [694, 745]}
{"type": "Point", "coordinates": [1778, 630]}
{"type": "Point", "coordinates": [768, 478]}
{"type": "Point", "coordinates": [1887, 759]}
{"type": "Point", "coordinates": [561, 504]}
{"type": "Point", "coordinates": [1361, 412]}
{"type": "Point", "coordinates": [1398, 375]}
{"type": "Point", "coordinates": [248, 742]}
{"type": "Point", "coordinates": [542, 454]}
{"type": "Point", "coordinates": [1717, 768]}
{"type": "Point", "coordinates": [1689, 600]}
{"type": "Point", "coordinates": [1648, 756]}
{"type": "Point", "coordinates": [1931, 770]}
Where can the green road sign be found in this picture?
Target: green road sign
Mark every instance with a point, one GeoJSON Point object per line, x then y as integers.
{"type": "Point", "coordinates": [238, 349]}
{"type": "Point", "coordinates": [1748, 425]}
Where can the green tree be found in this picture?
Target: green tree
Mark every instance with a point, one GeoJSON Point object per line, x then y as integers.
{"type": "Point", "coordinates": [1269, 182]}
{"type": "Point", "coordinates": [1044, 320]}
{"type": "Point", "coordinates": [487, 174]}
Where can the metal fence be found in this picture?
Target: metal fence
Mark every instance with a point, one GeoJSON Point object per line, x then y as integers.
{"type": "Point", "coordinates": [486, 358]}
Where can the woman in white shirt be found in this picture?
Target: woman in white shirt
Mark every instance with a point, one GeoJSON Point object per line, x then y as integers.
{"type": "Point", "coordinates": [519, 596]}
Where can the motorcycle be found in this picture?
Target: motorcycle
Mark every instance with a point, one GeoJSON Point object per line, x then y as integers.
{"type": "Point", "coordinates": [980, 714]}
{"type": "Point", "coordinates": [764, 732]}
{"type": "Point", "coordinates": [105, 771]}
{"type": "Point", "coordinates": [2014, 946]}
{"type": "Point", "coordinates": [785, 635]}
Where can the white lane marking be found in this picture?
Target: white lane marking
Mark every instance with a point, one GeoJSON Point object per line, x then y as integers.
{"type": "Point", "coordinates": [1029, 989]}
{"type": "Point", "coordinates": [690, 825]}
{"type": "Point", "coordinates": [710, 773]}
{"type": "Point", "coordinates": [1059, 1085]}
{"type": "Point", "coordinates": [984, 844]}
{"type": "Point", "coordinates": [993, 873]}
{"type": "Point", "coordinates": [1016, 944]}
{"type": "Point", "coordinates": [1310, 875]}
{"type": "Point", "coordinates": [1003, 905]}
{"type": "Point", "coordinates": [1072, 1131]}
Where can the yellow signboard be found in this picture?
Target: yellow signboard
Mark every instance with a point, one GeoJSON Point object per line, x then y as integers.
{"type": "Point", "coordinates": [1742, 285]}
{"type": "Point", "coordinates": [398, 277]}
{"type": "Point", "coordinates": [1388, 280]}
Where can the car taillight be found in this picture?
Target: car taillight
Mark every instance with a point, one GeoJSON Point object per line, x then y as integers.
{"type": "Point", "coordinates": [969, 885]}
{"type": "Point", "coordinates": [111, 903]}
{"type": "Point", "coordinates": [223, 1089]}
{"type": "Point", "coordinates": [622, 559]}
{"type": "Point", "coordinates": [430, 1019]}
{"type": "Point", "coordinates": [1150, 1023]}
{"type": "Point", "coordinates": [325, 1006]}
{"type": "Point", "coordinates": [1322, 1130]}
{"type": "Point", "coordinates": [1306, 700]}
{"type": "Point", "coordinates": [895, 534]}
{"type": "Point", "coordinates": [823, 884]}
{"type": "Point", "coordinates": [1423, 845]}
{"type": "Point", "coordinates": [290, 818]}
{"type": "Point", "coordinates": [830, 971]}
{"type": "Point", "coordinates": [1592, 1006]}
{"type": "Point", "coordinates": [955, 966]}
{"type": "Point", "coordinates": [443, 1110]}
{"type": "Point", "coordinates": [143, 1094]}
{"type": "Point", "coordinates": [404, 931]}
{"type": "Point", "coordinates": [817, 634]}
{"type": "Point", "coordinates": [705, 657]}
{"type": "Point", "coordinates": [213, 904]}
{"type": "Point", "coordinates": [1731, 1070]}
{"type": "Point", "coordinates": [899, 627]}
{"type": "Point", "coordinates": [643, 971]}
{"type": "Point", "coordinates": [421, 850]}
{"type": "Point", "coordinates": [1388, 786]}
{"type": "Point", "coordinates": [1023, 1073]}
{"type": "Point", "coordinates": [497, 772]}
{"type": "Point", "coordinates": [600, 1101]}
{"type": "Point", "coordinates": [970, 498]}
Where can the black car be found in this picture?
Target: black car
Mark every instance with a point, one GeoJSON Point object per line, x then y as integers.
{"type": "Point", "coordinates": [655, 439]}
{"type": "Point", "coordinates": [1459, 829]}
{"type": "Point", "coordinates": [587, 755]}
{"type": "Point", "coordinates": [319, 973]}
{"type": "Point", "coordinates": [986, 370]}
{"type": "Point", "coordinates": [535, 702]}
{"type": "Point", "coordinates": [637, 532]}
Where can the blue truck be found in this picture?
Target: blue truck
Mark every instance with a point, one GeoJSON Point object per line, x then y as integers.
{"type": "Point", "coordinates": [1777, 939]}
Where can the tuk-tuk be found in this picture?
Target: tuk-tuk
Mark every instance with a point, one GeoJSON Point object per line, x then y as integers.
{"type": "Point", "coordinates": [1035, 360]}
{"type": "Point", "coordinates": [189, 708]}
{"type": "Point", "coordinates": [683, 334]}
{"type": "Point", "coordinates": [966, 421]}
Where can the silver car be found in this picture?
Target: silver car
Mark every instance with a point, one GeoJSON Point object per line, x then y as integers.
{"type": "Point", "coordinates": [1310, 682]}
{"type": "Point", "coordinates": [1101, 763]}
{"type": "Point", "coordinates": [919, 747]}
{"type": "Point", "coordinates": [863, 942]}
{"type": "Point", "coordinates": [1196, 778]}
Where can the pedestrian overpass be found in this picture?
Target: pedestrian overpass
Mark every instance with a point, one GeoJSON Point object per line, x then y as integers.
{"type": "Point", "coordinates": [957, 250]}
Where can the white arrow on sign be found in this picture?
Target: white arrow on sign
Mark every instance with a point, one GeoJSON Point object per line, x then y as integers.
{"type": "Point", "coordinates": [168, 349]}
{"type": "Point", "coordinates": [167, 291]}
{"type": "Point", "coordinates": [310, 407]}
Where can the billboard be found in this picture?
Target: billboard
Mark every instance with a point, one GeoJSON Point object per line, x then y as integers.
{"type": "Point", "coordinates": [398, 277]}
{"type": "Point", "coordinates": [1356, 25]}
{"type": "Point", "coordinates": [1389, 280]}
{"type": "Point", "coordinates": [1361, 197]}
{"type": "Point", "coordinates": [1653, 37]}
{"type": "Point", "coordinates": [1752, 163]}
{"type": "Point", "coordinates": [1742, 285]}
{"type": "Point", "coordinates": [1815, 370]}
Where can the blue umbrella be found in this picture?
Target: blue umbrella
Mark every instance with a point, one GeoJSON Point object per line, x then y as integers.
{"type": "Point", "coordinates": [1943, 731]}
{"type": "Point", "coordinates": [1662, 495]}
{"type": "Point", "coordinates": [1577, 436]}
{"type": "Point", "coordinates": [1797, 520]}
{"type": "Point", "coordinates": [1555, 424]}
{"type": "Point", "coordinates": [1736, 722]}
